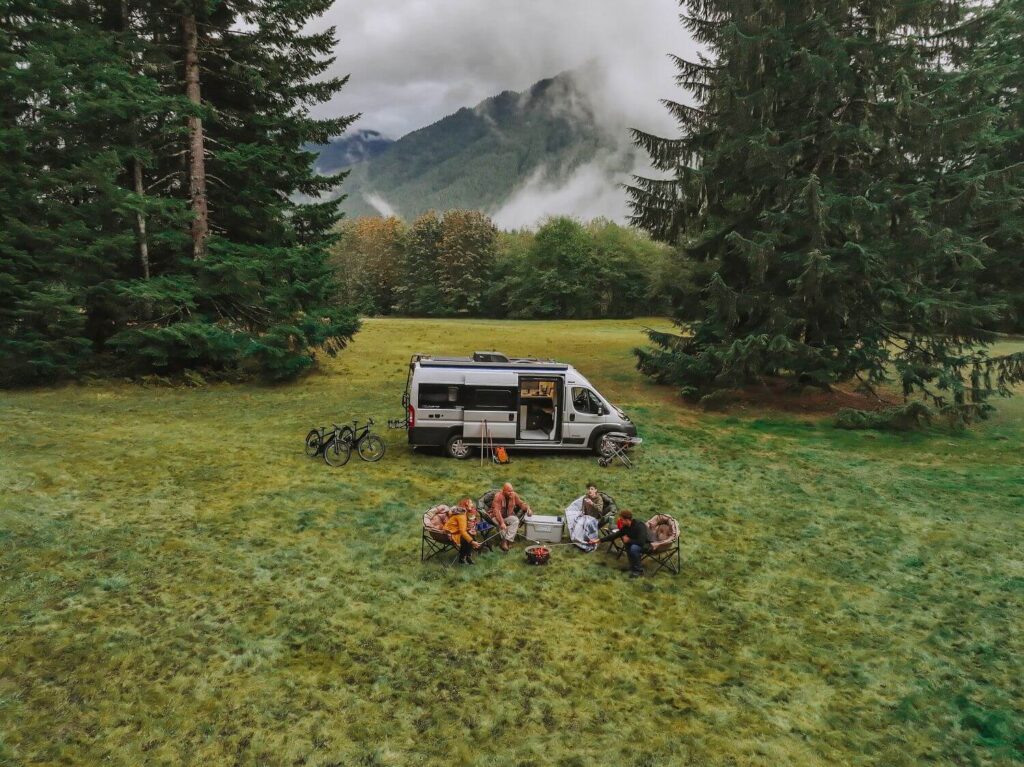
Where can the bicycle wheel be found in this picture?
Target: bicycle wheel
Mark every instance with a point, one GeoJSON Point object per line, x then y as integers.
{"type": "Point", "coordinates": [337, 452]}
{"type": "Point", "coordinates": [313, 443]}
{"type": "Point", "coordinates": [371, 448]}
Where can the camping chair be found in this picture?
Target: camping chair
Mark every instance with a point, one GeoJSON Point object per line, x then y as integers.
{"type": "Point", "coordinates": [610, 511]}
{"type": "Point", "coordinates": [664, 551]}
{"type": "Point", "coordinates": [483, 530]}
{"type": "Point", "coordinates": [435, 541]}
{"type": "Point", "coordinates": [493, 532]}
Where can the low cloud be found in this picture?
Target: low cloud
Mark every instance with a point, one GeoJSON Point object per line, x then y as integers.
{"type": "Point", "coordinates": [591, 191]}
{"type": "Point", "coordinates": [414, 61]}
{"type": "Point", "coordinates": [379, 204]}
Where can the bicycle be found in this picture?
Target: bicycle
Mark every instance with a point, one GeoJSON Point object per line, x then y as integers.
{"type": "Point", "coordinates": [369, 446]}
{"type": "Point", "coordinates": [319, 438]}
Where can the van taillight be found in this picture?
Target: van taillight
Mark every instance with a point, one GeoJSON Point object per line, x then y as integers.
{"type": "Point", "coordinates": [412, 416]}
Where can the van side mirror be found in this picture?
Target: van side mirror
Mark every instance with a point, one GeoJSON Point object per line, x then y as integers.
{"type": "Point", "coordinates": [602, 410]}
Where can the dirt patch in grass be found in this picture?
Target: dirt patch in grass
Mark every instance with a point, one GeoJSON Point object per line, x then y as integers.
{"type": "Point", "coordinates": [786, 396]}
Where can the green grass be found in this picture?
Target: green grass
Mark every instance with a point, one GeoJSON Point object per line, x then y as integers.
{"type": "Point", "coordinates": [180, 585]}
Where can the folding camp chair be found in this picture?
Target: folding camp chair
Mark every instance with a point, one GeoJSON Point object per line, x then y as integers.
{"type": "Point", "coordinates": [664, 551]}
{"type": "Point", "coordinates": [608, 513]}
{"type": "Point", "coordinates": [435, 541]}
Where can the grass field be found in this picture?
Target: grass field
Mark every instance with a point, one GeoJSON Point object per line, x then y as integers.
{"type": "Point", "coordinates": [180, 585]}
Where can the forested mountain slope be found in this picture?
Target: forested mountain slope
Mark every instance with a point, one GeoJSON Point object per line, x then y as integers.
{"type": "Point", "coordinates": [477, 157]}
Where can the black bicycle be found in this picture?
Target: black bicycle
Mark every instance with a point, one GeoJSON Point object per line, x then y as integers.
{"type": "Point", "coordinates": [318, 439]}
{"type": "Point", "coordinates": [369, 446]}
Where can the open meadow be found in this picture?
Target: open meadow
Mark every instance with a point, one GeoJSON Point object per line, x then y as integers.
{"type": "Point", "coordinates": [179, 584]}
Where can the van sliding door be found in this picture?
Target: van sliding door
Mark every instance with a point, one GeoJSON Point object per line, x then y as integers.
{"type": "Point", "coordinates": [540, 409]}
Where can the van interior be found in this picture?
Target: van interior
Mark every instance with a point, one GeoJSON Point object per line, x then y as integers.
{"type": "Point", "coordinates": [539, 408]}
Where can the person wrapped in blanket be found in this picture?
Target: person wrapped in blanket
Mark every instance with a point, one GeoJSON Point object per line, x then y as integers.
{"type": "Point", "coordinates": [458, 527]}
{"type": "Point", "coordinates": [503, 511]}
{"type": "Point", "coordinates": [586, 524]}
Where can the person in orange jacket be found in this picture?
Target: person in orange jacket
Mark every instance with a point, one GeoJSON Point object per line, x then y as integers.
{"type": "Point", "coordinates": [458, 528]}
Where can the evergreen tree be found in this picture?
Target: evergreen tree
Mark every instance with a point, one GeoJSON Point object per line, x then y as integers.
{"type": "Point", "coordinates": [466, 252]}
{"type": "Point", "coordinates": [253, 287]}
{"type": "Point", "coordinates": [369, 254]}
{"type": "Point", "coordinates": [803, 186]}
{"type": "Point", "coordinates": [994, 69]}
{"type": "Point", "coordinates": [418, 292]}
{"type": "Point", "coordinates": [152, 151]}
{"type": "Point", "coordinates": [562, 271]}
{"type": "Point", "coordinates": [65, 92]}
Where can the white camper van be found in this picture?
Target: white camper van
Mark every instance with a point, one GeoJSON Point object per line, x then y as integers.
{"type": "Point", "coordinates": [455, 402]}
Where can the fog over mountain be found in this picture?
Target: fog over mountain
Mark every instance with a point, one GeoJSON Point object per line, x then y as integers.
{"type": "Point", "coordinates": [413, 62]}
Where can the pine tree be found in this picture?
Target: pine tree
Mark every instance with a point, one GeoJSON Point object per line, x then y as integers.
{"type": "Point", "coordinates": [152, 151]}
{"type": "Point", "coordinates": [250, 286]}
{"type": "Point", "coordinates": [467, 249]}
{"type": "Point", "coordinates": [369, 254]}
{"type": "Point", "coordinates": [803, 188]}
{"type": "Point", "coordinates": [994, 68]}
{"type": "Point", "coordinates": [65, 90]}
{"type": "Point", "coordinates": [418, 293]}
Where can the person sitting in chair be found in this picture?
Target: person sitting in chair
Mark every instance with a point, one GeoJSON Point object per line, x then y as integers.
{"type": "Point", "coordinates": [635, 538]}
{"type": "Point", "coordinates": [503, 510]}
{"type": "Point", "coordinates": [458, 528]}
{"type": "Point", "coordinates": [593, 503]}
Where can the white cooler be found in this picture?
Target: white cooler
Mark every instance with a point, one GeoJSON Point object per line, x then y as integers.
{"type": "Point", "coordinates": [544, 528]}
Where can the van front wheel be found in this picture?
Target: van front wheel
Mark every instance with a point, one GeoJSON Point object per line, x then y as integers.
{"type": "Point", "coordinates": [456, 447]}
{"type": "Point", "coordinates": [602, 445]}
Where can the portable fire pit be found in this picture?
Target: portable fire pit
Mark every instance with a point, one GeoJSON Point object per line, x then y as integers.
{"type": "Point", "coordinates": [538, 555]}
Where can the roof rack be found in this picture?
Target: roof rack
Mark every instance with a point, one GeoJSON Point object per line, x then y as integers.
{"type": "Point", "coordinates": [483, 358]}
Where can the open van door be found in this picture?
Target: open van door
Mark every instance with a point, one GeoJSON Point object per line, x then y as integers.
{"type": "Point", "coordinates": [540, 408]}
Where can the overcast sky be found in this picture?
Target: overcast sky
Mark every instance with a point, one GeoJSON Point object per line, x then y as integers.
{"type": "Point", "coordinates": [415, 61]}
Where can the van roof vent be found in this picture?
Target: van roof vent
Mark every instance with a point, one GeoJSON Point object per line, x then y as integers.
{"type": "Point", "coordinates": [489, 357]}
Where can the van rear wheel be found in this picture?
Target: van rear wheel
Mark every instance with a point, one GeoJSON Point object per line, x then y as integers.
{"type": "Point", "coordinates": [456, 447]}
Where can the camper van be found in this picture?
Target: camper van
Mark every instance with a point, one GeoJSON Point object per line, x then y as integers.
{"type": "Point", "coordinates": [458, 403]}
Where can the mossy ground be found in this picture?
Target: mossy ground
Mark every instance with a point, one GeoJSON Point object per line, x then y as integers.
{"type": "Point", "coordinates": [180, 585]}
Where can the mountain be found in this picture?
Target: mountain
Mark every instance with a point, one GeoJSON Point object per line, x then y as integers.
{"type": "Point", "coordinates": [343, 151]}
{"type": "Point", "coordinates": [478, 158]}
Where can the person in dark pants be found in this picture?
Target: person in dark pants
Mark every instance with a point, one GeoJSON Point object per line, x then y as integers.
{"type": "Point", "coordinates": [458, 529]}
{"type": "Point", "coordinates": [635, 538]}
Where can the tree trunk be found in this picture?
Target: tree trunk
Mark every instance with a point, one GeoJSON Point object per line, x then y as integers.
{"type": "Point", "coordinates": [140, 218]}
{"type": "Point", "coordinates": [137, 186]}
{"type": "Point", "coordinates": [197, 160]}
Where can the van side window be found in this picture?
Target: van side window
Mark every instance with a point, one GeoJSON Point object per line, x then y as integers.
{"type": "Point", "coordinates": [491, 399]}
{"type": "Point", "coordinates": [440, 395]}
{"type": "Point", "coordinates": [585, 401]}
